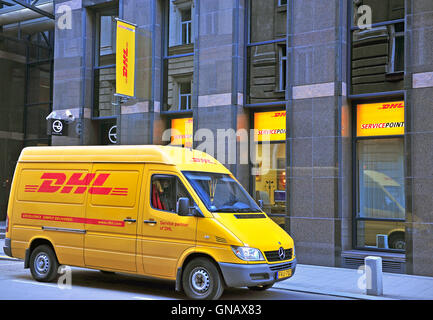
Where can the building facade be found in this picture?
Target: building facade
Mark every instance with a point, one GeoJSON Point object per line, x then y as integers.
{"type": "Point", "coordinates": [337, 93]}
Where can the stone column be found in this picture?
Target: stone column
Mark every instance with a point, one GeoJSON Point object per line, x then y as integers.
{"type": "Point", "coordinates": [318, 138]}
{"type": "Point", "coordinates": [419, 136]}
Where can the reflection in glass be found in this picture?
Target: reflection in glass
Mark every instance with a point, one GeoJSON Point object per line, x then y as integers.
{"type": "Point", "coordinates": [270, 181]}
{"type": "Point", "coordinates": [381, 194]}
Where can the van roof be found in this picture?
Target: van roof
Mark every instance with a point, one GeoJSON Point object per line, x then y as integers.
{"type": "Point", "coordinates": [186, 158]}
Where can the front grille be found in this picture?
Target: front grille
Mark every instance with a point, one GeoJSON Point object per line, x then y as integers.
{"type": "Point", "coordinates": [273, 255]}
{"type": "Point", "coordinates": [279, 267]}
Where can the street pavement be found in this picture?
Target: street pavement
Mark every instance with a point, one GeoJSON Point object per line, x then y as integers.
{"type": "Point", "coordinates": [328, 282]}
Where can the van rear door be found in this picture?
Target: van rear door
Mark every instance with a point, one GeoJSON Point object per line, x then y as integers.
{"type": "Point", "coordinates": [111, 216]}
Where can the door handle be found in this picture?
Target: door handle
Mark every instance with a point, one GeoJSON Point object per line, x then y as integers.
{"type": "Point", "coordinates": [150, 221]}
{"type": "Point", "coordinates": [129, 220]}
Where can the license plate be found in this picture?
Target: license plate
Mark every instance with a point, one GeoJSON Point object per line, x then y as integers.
{"type": "Point", "coordinates": [284, 273]}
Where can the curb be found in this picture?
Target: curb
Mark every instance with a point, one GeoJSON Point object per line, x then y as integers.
{"type": "Point", "coordinates": [333, 293]}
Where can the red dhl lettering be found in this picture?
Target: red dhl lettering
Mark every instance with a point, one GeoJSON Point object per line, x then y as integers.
{"type": "Point", "coordinates": [391, 106]}
{"type": "Point", "coordinates": [203, 160]}
{"type": "Point", "coordinates": [279, 114]}
{"type": "Point", "coordinates": [78, 183]}
{"type": "Point", "coordinates": [125, 63]}
{"type": "Point", "coordinates": [47, 217]}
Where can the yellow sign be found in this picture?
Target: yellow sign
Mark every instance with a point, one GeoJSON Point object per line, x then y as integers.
{"type": "Point", "coordinates": [270, 126]}
{"type": "Point", "coordinates": [182, 132]}
{"type": "Point", "coordinates": [380, 119]}
{"type": "Point", "coordinates": [125, 59]}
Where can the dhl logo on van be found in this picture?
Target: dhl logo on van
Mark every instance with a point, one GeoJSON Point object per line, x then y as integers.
{"type": "Point", "coordinates": [203, 160]}
{"type": "Point", "coordinates": [76, 184]}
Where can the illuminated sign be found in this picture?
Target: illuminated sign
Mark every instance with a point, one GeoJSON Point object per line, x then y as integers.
{"type": "Point", "coordinates": [380, 119]}
{"type": "Point", "coordinates": [182, 132]}
{"type": "Point", "coordinates": [270, 126]}
{"type": "Point", "coordinates": [125, 59]}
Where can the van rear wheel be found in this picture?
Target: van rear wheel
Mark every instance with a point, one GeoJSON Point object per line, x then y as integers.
{"type": "Point", "coordinates": [201, 280]}
{"type": "Point", "coordinates": [43, 264]}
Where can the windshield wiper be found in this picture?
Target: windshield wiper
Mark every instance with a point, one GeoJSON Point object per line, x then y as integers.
{"type": "Point", "coordinates": [237, 210]}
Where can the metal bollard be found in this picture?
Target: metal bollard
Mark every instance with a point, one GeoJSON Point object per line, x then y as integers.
{"type": "Point", "coordinates": [373, 269]}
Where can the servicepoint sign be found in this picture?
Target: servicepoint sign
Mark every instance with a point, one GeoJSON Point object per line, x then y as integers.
{"type": "Point", "coordinates": [270, 126]}
{"type": "Point", "coordinates": [380, 119]}
{"type": "Point", "coordinates": [182, 132]}
{"type": "Point", "coordinates": [125, 59]}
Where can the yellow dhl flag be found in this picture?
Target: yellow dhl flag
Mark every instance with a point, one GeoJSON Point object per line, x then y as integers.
{"type": "Point", "coordinates": [125, 59]}
{"type": "Point", "coordinates": [380, 119]}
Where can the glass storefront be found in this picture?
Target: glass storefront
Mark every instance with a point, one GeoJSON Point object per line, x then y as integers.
{"type": "Point", "coordinates": [270, 163]}
{"type": "Point", "coordinates": [380, 192]}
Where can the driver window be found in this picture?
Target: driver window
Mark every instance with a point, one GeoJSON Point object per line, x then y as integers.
{"type": "Point", "coordinates": [166, 191]}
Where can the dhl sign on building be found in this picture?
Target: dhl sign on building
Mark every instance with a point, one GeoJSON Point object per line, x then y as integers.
{"type": "Point", "coordinates": [270, 126]}
{"type": "Point", "coordinates": [380, 119]}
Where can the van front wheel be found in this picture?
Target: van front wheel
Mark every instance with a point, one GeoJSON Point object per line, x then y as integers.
{"type": "Point", "coordinates": [43, 264]}
{"type": "Point", "coordinates": [201, 280]}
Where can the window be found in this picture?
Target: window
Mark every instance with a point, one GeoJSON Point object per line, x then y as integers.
{"type": "Point", "coordinates": [379, 207]}
{"type": "Point", "coordinates": [220, 192]}
{"type": "Point", "coordinates": [104, 69]}
{"type": "Point", "coordinates": [266, 61]}
{"type": "Point", "coordinates": [186, 23]}
{"type": "Point", "coordinates": [270, 163]}
{"type": "Point", "coordinates": [166, 191]}
{"type": "Point", "coordinates": [396, 55]}
{"type": "Point", "coordinates": [178, 61]}
{"type": "Point", "coordinates": [282, 52]}
{"type": "Point", "coordinates": [185, 95]}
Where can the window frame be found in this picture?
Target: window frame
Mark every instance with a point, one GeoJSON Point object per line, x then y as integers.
{"type": "Point", "coordinates": [355, 178]}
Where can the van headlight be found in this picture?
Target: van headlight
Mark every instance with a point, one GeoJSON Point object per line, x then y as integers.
{"type": "Point", "coordinates": [248, 254]}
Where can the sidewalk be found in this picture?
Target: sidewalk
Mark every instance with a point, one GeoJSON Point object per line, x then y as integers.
{"type": "Point", "coordinates": [344, 283]}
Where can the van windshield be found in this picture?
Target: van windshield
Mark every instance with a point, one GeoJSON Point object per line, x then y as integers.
{"type": "Point", "coordinates": [221, 193]}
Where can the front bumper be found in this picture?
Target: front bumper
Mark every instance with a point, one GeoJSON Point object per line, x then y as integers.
{"type": "Point", "coordinates": [7, 248]}
{"type": "Point", "coordinates": [250, 275]}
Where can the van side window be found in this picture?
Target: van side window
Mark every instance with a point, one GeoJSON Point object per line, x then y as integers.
{"type": "Point", "coordinates": [166, 191]}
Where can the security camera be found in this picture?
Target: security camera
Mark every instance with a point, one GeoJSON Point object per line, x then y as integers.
{"type": "Point", "coordinates": [69, 114]}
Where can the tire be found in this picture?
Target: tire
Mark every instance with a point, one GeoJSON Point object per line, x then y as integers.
{"type": "Point", "coordinates": [397, 241]}
{"type": "Point", "coordinates": [44, 264]}
{"type": "Point", "coordinates": [261, 288]}
{"type": "Point", "coordinates": [201, 280]}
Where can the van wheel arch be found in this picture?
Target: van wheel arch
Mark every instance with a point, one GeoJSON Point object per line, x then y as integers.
{"type": "Point", "coordinates": [33, 245]}
{"type": "Point", "coordinates": [191, 257]}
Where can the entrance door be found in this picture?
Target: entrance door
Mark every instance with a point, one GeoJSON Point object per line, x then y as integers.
{"type": "Point", "coordinates": [111, 216]}
{"type": "Point", "coordinates": [165, 234]}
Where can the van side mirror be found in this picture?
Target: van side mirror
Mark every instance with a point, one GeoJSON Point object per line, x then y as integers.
{"type": "Point", "coordinates": [260, 204]}
{"type": "Point", "coordinates": [183, 207]}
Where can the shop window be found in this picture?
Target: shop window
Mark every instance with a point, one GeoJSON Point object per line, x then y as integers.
{"type": "Point", "coordinates": [270, 163]}
{"type": "Point", "coordinates": [182, 132]}
{"type": "Point", "coordinates": [380, 192]}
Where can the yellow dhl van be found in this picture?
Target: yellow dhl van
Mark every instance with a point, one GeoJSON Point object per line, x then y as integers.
{"type": "Point", "coordinates": [158, 211]}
